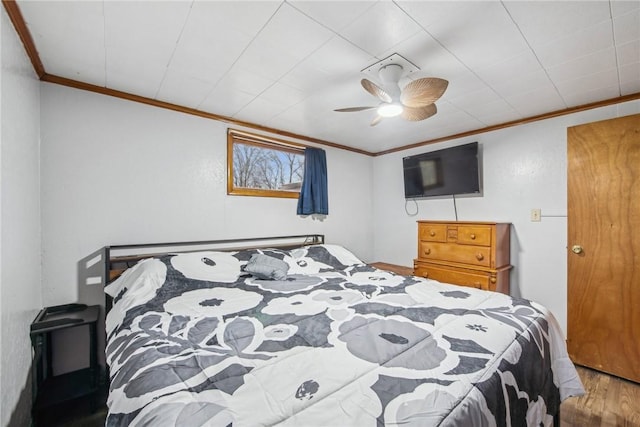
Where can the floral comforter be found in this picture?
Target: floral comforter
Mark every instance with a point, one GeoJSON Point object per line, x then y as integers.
{"type": "Point", "coordinates": [195, 341]}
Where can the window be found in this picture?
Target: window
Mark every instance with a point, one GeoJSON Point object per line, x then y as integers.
{"type": "Point", "coordinates": [260, 166]}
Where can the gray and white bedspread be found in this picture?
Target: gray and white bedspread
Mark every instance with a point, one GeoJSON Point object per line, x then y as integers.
{"type": "Point", "coordinates": [193, 340]}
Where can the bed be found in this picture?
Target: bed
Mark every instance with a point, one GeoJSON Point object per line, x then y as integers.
{"type": "Point", "coordinates": [312, 336]}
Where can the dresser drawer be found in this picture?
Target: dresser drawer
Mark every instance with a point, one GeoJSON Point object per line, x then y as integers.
{"type": "Point", "coordinates": [467, 254]}
{"type": "Point", "coordinates": [456, 277]}
{"type": "Point", "coordinates": [433, 232]}
{"type": "Point", "coordinates": [470, 235]}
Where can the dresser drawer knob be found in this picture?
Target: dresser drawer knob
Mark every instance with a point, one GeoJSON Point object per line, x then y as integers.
{"type": "Point", "coordinates": [427, 251]}
{"type": "Point", "coordinates": [432, 233]}
{"type": "Point", "coordinates": [473, 236]}
{"type": "Point", "coordinates": [479, 257]}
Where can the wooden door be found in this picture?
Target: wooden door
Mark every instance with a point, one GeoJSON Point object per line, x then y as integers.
{"type": "Point", "coordinates": [604, 246]}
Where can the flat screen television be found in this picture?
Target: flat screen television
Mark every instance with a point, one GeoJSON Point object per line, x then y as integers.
{"type": "Point", "coordinates": [444, 172]}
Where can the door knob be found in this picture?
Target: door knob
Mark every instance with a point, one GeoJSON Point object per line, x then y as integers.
{"type": "Point", "coordinates": [576, 249]}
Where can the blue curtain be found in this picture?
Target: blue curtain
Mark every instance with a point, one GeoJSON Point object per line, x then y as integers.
{"type": "Point", "coordinates": [313, 194]}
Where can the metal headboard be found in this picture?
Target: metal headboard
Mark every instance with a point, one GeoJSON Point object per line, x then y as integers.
{"type": "Point", "coordinates": [107, 263]}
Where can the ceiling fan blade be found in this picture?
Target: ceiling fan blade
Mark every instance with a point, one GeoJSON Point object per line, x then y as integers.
{"type": "Point", "coordinates": [352, 109]}
{"type": "Point", "coordinates": [375, 90]}
{"type": "Point", "coordinates": [377, 120]}
{"type": "Point", "coordinates": [423, 92]}
{"type": "Point", "coordinates": [420, 113]}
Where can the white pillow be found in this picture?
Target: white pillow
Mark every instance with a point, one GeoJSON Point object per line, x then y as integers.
{"type": "Point", "coordinates": [136, 286]}
{"type": "Point", "coordinates": [210, 266]}
{"type": "Point", "coordinates": [344, 255]}
{"type": "Point", "coordinates": [148, 274]}
{"type": "Point", "coordinates": [309, 260]}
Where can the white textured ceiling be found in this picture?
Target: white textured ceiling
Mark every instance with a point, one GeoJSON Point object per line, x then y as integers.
{"type": "Point", "coordinates": [288, 64]}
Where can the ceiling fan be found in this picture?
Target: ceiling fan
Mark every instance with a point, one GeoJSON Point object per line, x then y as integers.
{"type": "Point", "coordinates": [414, 102]}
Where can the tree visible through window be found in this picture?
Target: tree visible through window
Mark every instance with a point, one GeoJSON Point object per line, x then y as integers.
{"type": "Point", "coordinates": [263, 167]}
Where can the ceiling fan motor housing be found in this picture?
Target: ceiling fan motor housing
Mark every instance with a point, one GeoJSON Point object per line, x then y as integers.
{"type": "Point", "coordinates": [390, 75]}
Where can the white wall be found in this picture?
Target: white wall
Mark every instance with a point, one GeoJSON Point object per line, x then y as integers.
{"type": "Point", "coordinates": [524, 167]}
{"type": "Point", "coordinates": [20, 288]}
{"type": "Point", "coordinates": [117, 172]}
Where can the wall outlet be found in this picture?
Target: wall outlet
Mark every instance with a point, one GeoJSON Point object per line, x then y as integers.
{"type": "Point", "coordinates": [536, 214]}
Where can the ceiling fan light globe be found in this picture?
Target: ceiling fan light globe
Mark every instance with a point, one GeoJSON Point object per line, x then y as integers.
{"type": "Point", "coordinates": [390, 110]}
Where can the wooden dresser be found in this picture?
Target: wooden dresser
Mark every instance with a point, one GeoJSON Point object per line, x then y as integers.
{"type": "Point", "coordinates": [472, 254]}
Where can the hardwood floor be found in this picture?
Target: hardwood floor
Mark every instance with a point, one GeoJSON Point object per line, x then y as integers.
{"type": "Point", "coordinates": [610, 401]}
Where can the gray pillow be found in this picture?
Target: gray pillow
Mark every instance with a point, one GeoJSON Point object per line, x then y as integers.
{"type": "Point", "coordinates": [266, 267]}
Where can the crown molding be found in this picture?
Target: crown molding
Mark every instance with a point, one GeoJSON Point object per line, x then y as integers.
{"type": "Point", "coordinates": [21, 28]}
{"type": "Point", "coordinates": [539, 117]}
